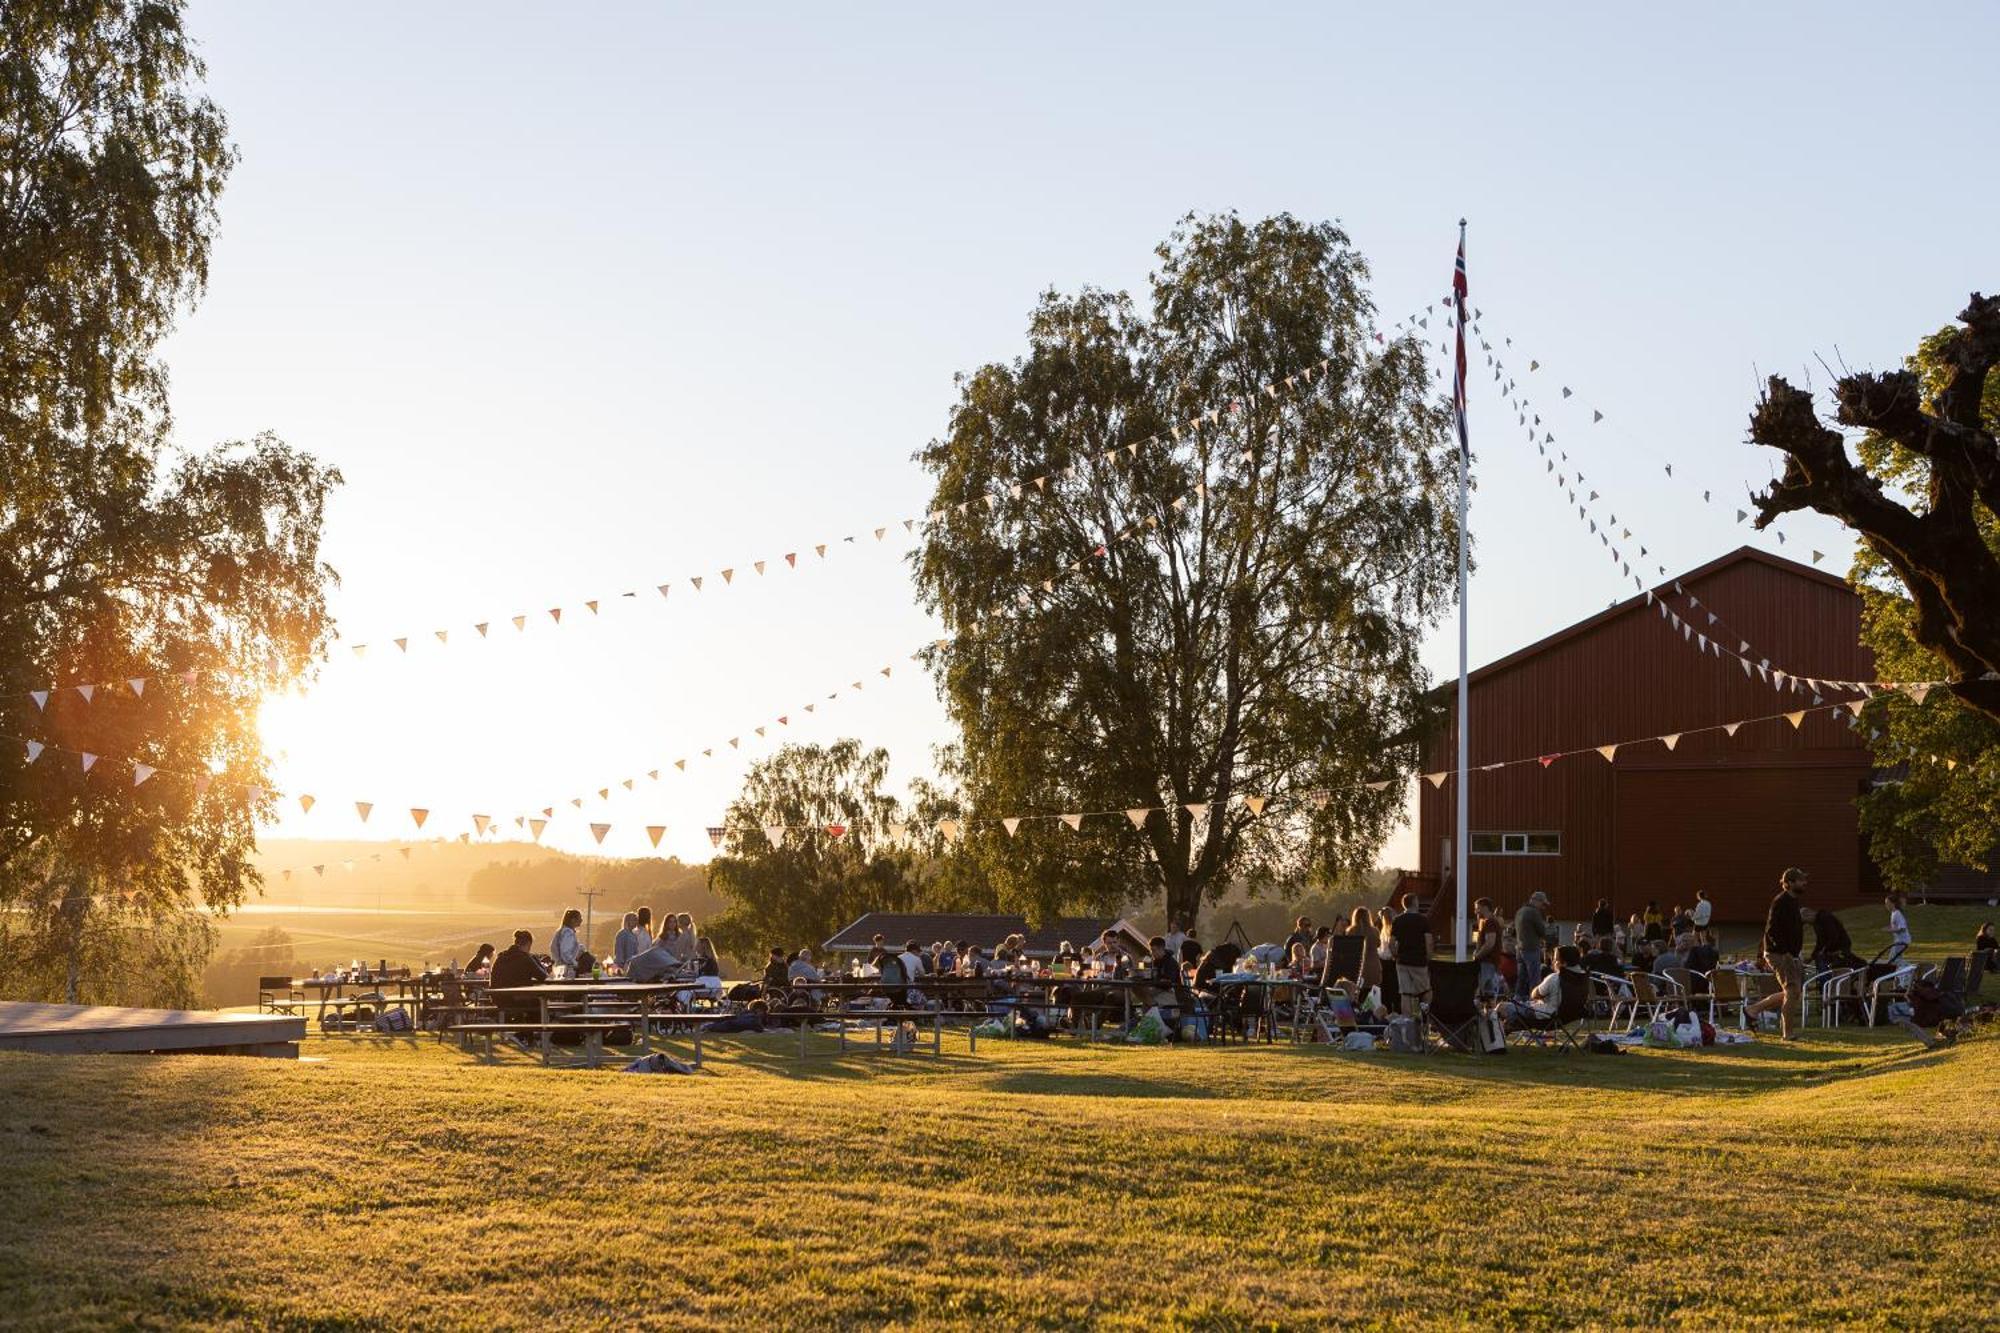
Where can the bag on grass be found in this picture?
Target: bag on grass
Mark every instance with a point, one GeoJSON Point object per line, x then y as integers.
{"type": "Point", "coordinates": [1148, 1031]}
{"type": "Point", "coordinates": [1492, 1034]}
{"type": "Point", "coordinates": [1405, 1035]}
{"type": "Point", "coordinates": [1358, 1041]}
{"type": "Point", "coordinates": [657, 1064]}
{"type": "Point", "coordinates": [392, 1020]}
{"type": "Point", "coordinates": [904, 1040]}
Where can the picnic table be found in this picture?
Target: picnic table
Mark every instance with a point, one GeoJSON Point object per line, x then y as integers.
{"type": "Point", "coordinates": [409, 991]}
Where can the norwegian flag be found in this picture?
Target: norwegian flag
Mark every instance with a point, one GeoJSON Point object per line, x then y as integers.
{"type": "Point", "coordinates": [1458, 377]}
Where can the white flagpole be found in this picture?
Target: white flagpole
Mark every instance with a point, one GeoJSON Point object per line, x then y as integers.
{"type": "Point", "coordinates": [1463, 853]}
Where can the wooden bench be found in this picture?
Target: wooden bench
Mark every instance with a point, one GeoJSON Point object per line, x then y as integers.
{"type": "Point", "coordinates": [877, 1019]}
{"type": "Point", "coordinates": [594, 1032]}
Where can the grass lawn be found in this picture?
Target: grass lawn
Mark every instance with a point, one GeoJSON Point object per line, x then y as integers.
{"type": "Point", "coordinates": [1846, 1180]}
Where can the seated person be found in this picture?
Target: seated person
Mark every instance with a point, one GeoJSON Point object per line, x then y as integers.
{"type": "Point", "coordinates": [1832, 945]}
{"type": "Point", "coordinates": [705, 962]}
{"type": "Point", "coordinates": [1603, 958]}
{"type": "Point", "coordinates": [972, 962]}
{"type": "Point", "coordinates": [1219, 961]}
{"type": "Point", "coordinates": [1105, 951]}
{"type": "Point", "coordinates": [892, 980]}
{"type": "Point", "coordinates": [1668, 956]}
{"type": "Point", "coordinates": [1987, 943]}
{"type": "Point", "coordinates": [1699, 958]}
{"type": "Point", "coordinates": [801, 970]}
{"type": "Point", "coordinates": [1561, 992]}
{"type": "Point", "coordinates": [777, 977]}
{"type": "Point", "coordinates": [749, 1019]}
{"type": "Point", "coordinates": [480, 961]}
{"type": "Point", "coordinates": [516, 966]}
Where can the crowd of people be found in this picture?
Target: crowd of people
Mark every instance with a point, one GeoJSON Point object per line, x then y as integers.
{"type": "Point", "coordinates": [1530, 966]}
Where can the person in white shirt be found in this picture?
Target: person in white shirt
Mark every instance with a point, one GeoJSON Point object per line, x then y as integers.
{"type": "Point", "coordinates": [1899, 927]}
{"type": "Point", "coordinates": [563, 949]}
{"type": "Point", "coordinates": [645, 928]}
{"type": "Point", "coordinates": [1176, 937]}
{"type": "Point", "coordinates": [913, 962]}
{"type": "Point", "coordinates": [628, 945]}
{"type": "Point", "coordinates": [1703, 909]}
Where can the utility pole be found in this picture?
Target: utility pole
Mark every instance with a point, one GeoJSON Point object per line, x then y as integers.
{"type": "Point", "coordinates": [589, 897]}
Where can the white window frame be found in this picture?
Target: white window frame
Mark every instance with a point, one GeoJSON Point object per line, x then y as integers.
{"type": "Point", "coordinates": [1521, 835]}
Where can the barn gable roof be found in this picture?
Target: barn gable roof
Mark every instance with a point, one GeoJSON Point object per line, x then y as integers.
{"type": "Point", "coordinates": [1638, 602]}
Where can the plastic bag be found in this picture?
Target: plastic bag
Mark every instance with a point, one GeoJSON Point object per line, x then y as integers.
{"type": "Point", "coordinates": [1148, 1031]}
{"type": "Point", "coordinates": [1358, 1041]}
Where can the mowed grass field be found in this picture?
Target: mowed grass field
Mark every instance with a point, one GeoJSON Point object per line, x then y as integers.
{"type": "Point", "coordinates": [1846, 1180]}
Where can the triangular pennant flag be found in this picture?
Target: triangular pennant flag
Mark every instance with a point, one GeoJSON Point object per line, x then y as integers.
{"type": "Point", "coordinates": [88, 760]}
{"type": "Point", "coordinates": [819, 549]}
{"type": "Point", "coordinates": [1547, 759]}
{"type": "Point", "coordinates": [604, 793]}
{"type": "Point", "coordinates": [482, 627]}
{"type": "Point", "coordinates": [140, 772]}
{"type": "Point", "coordinates": [359, 650]}
{"type": "Point", "coordinates": [681, 764]}
{"type": "Point", "coordinates": [306, 804]}
{"type": "Point", "coordinates": [1011, 823]}
{"type": "Point", "coordinates": [1436, 779]}
{"type": "Point", "coordinates": [598, 831]}
{"type": "Point", "coordinates": [949, 829]}
{"type": "Point", "coordinates": [35, 749]}
{"type": "Point", "coordinates": [319, 870]}
{"type": "Point", "coordinates": [535, 827]}
{"type": "Point", "coordinates": [362, 808]}
{"type": "Point", "coordinates": [835, 830]}
{"type": "Point", "coordinates": [1196, 808]}
{"type": "Point", "coordinates": [137, 685]}
{"type": "Point", "coordinates": [775, 835]}
{"type": "Point", "coordinates": [86, 691]}
{"type": "Point", "coordinates": [654, 832]}
{"type": "Point", "coordinates": [626, 783]}
{"type": "Point", "coordinates": [1855, 706]}
{"type": "Point", "coordinates": [418, 816]}
{"type": "Point", "coordinates": [555, 614]}
{"type": "Point", "coordinates": [1138, 816]}
{"type": "Point", "coordinates": [592, 606]}
{"type": "Point", "coordinates": [404, 852]}
{"type": "Point", "coordinates": [696, 581]}
{"type": "Point", "coordinates": [520, 622]}
{"type": "Point", "coordinates": [1256, 804]}
{"type": "Point", "coordinates": [482, 823]}
{"type": "Point", "coordinates": [441, 635]}
{"type": "Point", "coordinates": [1797, 719]}
{"type": "Point", "coordinates": [1918, 692]}
{"type": "Point", "coordinates": [402, 645]}
{"type": "Point", "coordinates": [1671, 741]}
{"type": "Point", "coordinates": [1379, 785]}
{"type": "Point", "coordinates": [1074, 821]}
{"type": "Point", "coordinates": [1610, 753]}
{"type": "Point", "coordinates": [41, 698]}
{"type": "Point", "coordinates": [729, 575]}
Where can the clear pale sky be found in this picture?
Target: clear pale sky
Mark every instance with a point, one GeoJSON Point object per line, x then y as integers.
{"type": "Point", "coordinates": [586, 301]}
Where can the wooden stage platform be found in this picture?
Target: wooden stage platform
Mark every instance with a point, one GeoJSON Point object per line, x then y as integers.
{"type": "Point", "coordinates": [89, 1029]}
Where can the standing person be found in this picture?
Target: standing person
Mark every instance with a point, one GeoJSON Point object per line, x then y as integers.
{"type": "Point", "coordinates": [1177, 935]}
{"type": "Point", "coordinates": [1411, 932]}
{"type": "Point", "coordinates": [669, 938]}
{"type": "Point", "coordinates": [1899, 927]}
{"type": "Point", "coordinates": [628, 945]}
{"type": "Point", "coordinates": [1784, 942]}
{"type": "Point", "coordinates": [1531, 942]}
{"type": "Point", "coordinates": [1488, 933]}
{"type": "Point", "coordinates": [1656, 925]}
{"type": "Point", "coordinates": [645, 928]}
{"type": "Point", "coordinates": [563, 949]}
{"type": "Point", "coordinates": [1602, 922]}
{"type": "Point", "coordinates": [1702, 910]}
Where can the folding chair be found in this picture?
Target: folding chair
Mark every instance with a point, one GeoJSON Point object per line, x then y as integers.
{"type": "Point", "coordinates": [1975, 974]}
{"type": "Point", "coordinates": [1725, 988]}
{"type": "Point", "coordinates": [1839, 990]}
{"type": "Point", "coordinates": [1642, 994]}
{"type": "Point", "coordinates": [1453, 1011]}
{"type": "Point", "coordinates": [279, 996]}
{"type": "Point", "coordinates": [1888, 988]}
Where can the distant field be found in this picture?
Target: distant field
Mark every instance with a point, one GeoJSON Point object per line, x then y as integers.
{"type": "Point", "coordinates": [1844, 1181]}
{"type": "Point", "coordinates": [327, 936]}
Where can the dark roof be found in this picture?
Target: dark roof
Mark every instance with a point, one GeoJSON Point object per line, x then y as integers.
{"type": "Point", "coordinates": [983, 929]}
{"type": "Point", "coordinates": [1638, 601]}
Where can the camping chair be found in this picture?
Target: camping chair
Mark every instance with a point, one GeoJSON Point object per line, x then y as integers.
{"type": "Point", "coordinates": [1952, 977]}
{"type": "Point", "coordinates": [1975, 973]}
{"type": "Point", "coordinates": [1564, 1028]}
{"type": "Point", "coordinates": [278, 995]}
{"type": "Point", "coordinates": [1343, 960]}
{"type": "Point", "coordinates": [1839, 989]}
{"type": "Point", "coordinates": [1453, 1011]}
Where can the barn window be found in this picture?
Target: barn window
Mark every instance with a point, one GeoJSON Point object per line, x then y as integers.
{"type": "Point", "coordinates": [1517, 844]}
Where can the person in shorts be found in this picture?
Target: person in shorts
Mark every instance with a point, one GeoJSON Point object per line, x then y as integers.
{"type": "Point", "coordinates": [1411, 933]}
{"type": "Point", "coordinates": [1486, 935]}
{"type": "Point", "coordinates": [1783, 947]}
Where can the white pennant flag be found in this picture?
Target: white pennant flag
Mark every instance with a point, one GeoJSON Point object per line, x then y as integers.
{"type": "Point", "coordinates": [140, 772]}
{"type": "Point", "coordinates": [775, 835]}
{"type": "Point", "coordinates": [86, 691]}
{"type": "Point", "coordinates": [35, 749]}
{"type": "Point", "coordinates": [1610, 752]}
{"type": "Point", "coordinates": [1256, 803]}
{"type": "Point", "coordinates": [1074, 821]}
{"type": "Point", "coordinates": [1383, 785]}
{"type": "Point", "coordinates": [1011, 823]}
{"type": "Point", "coordinates": [1729, 728]}
{"type": "Point", "coordinates": [1196, 808]}
{"type": "Point", "coordinates": [1138, 816]}
{"type": "Point", "coordinates": [362, 808]}
{"type": "Point", "coordinates": [1671, 741]}
{"type": "Point", "coordinates": [949, 829]}
{"type": "Point", "coordinates": [88, 760]}
{"type": "Point", "coordinates": [137, 685]}
{"type": "Point", "coordinates": [1436, 779]}
{"type": "Point", "coordinates": [41, 698]}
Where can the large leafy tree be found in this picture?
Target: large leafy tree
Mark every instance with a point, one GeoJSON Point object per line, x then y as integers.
{"type": "Point", "coordinates": [120, 560]}
{"type": "Point", "coordinates": [797, 888]}
{"type": "Point", "coordinates": [1942, 802]}
{"type": "Point", "coordinates": [1930, 525]}
{"type": "Point", "coordinates": [1261, 641]}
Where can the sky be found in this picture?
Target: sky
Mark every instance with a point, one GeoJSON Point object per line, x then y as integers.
{"type": "Point", "coordinates": [581, 303]}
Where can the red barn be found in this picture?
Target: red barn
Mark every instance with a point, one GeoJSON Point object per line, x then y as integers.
{"type": "Point", "coordinates": [1718, 811]}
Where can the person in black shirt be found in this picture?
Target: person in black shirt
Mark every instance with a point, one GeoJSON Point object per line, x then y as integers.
{"type": "Point", "coordinates": [1411, 932]}
{"type": "Point", "coordinates": [1784, 942]}
{"type": "Point", "coordinates": [1602, 922]}
{"type": "Point", "coordinates": [515, 966]}
{"type": "Point", "coordinates": [1986, 943]}
{"type": "Point", "coordinates": [1218, 961]}
{"type": "Point", "coordinates": [1700, 959]}
{"type": "Point", "coordinates": [1302, 933]}
{"type": "Point", "coordinates": [777, 978]}
{"type": "Point", "coordinates": [1832, 945]}
{"type": "Point", "coordinates": [1604, 959]}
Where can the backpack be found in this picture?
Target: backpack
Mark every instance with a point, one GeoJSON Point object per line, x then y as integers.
{"type": "Point", "coordinates": [393, 1020]}
{"type": "Point", "coordinates": [1405, 1034]}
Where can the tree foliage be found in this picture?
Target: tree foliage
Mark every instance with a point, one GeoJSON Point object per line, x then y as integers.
{"type": "Point", "coordinates": [1936, 448]}
{"type": "Point", "coordinates": [1943, 801]}
{"type": "Point", "coordinates": [1261, 641]}
{"type": "Point", "coordinates": [798, 891]}
{"type": "Point", "coordinates": [120, 558]}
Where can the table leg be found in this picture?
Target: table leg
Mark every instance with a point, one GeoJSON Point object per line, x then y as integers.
{"type": "Point", "coordinates": [697, 1045]}
{"type": "Point", "coordinates": [937, 1034]}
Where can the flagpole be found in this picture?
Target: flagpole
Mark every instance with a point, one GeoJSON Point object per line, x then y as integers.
{"type": "Point", "coordinates": [1463, 853]}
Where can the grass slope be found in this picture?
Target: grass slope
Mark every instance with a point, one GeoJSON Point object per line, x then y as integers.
{"type": "Point", "coordinates": [1845, 1180]}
